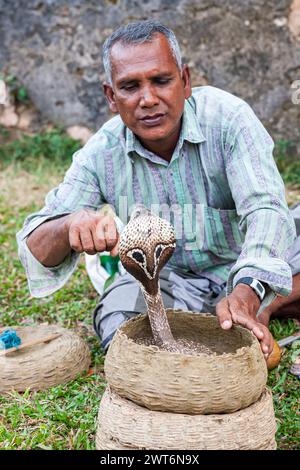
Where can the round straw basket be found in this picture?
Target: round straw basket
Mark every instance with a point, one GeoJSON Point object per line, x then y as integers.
{"type": "Point", "coordinates": [124, 425]}
{"type": "Point", "coordinates": [230, 379]}
{"type": "Point", "coordinates": [43, 365]}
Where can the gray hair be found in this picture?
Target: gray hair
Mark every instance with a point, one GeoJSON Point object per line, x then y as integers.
{"type": "Point", "coordinates": [138, 33]}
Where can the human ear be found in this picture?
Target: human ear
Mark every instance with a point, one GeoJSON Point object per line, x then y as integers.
{"type": "Point", "coordinates": [186, 78]}
{"type": "Point", "coordinates": [110, 96]}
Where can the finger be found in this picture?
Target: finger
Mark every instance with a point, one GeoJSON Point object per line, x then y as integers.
{"type": "Point", "coordinates": [99, 237]}
{"type": "Point", "coordinates": [224, 315]}
{"type": "Point", "coordinates": [87, 242]}
{"type": "Point", "coordinates": [272, 343]}
{"type": "Point", "coordinates": [111, 234]}
{"type": "Point", "coordinates": [243, 319]}
{"type": "Point", "coordinates": [259, 330]}
{"type": "Point", "coordinates": [115, 250]}
{"type": "Point", "coordinates": [267, 344]}
{"type": "Point", "coordinates": [74, 240]}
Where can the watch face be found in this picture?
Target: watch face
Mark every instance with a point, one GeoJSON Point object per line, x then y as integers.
{"type": "Point", "coordinates": [259, 288]}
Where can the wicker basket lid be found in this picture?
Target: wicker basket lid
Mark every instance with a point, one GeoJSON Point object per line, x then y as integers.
{"type": "Point", "coordinates": [43, 365]}
{"type": "Point", "coordinates": [228, 380]}
{"type": "Point", "coordinates": [124, 425]}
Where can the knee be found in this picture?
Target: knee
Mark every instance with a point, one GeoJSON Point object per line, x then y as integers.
{"type": "Point", "coordinates": [106, 324]}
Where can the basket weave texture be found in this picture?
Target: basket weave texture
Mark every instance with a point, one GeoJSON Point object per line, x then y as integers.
{"type": "Point", "coordinates": [231, 379]}
{"type": "Point", "coordinates": [43, 365]}
{"type": "Point", "coordinates": [125, 425]}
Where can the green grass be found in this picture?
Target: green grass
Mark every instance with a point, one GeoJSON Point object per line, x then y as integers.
{"type": "Point", "coordinates": [287, 162]}
{"type": "Point", "coordinates": [64, 417]}
{"type": "Point", "coordinates": [60, 418]}
{"type": "Point", "coordinates": [16, 90]}
{"type": "Point", "coordinates": [52, 147]}
{"type": "Point", "coordinates": [285, 388]}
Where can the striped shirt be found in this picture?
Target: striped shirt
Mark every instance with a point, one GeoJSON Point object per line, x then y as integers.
{"type": "Point", "coordinates": [221, 189]}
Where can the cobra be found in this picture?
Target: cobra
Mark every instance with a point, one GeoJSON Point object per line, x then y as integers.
{"type": "Point", "coordinates": [146, 244]}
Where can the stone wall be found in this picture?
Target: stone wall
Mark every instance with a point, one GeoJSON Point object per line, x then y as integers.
{"type": "Point", "coordinates": [248, 47]}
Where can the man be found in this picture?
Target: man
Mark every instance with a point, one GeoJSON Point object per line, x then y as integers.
{"type": "Point", "coordinates": [171, 146]}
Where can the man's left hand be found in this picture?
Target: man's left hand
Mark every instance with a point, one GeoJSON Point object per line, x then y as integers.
{"type": "Point", "coordinates": [240, 307]}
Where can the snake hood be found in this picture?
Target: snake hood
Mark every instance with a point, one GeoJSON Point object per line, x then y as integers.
{"type": "Point", "coordinates": [146, 244]}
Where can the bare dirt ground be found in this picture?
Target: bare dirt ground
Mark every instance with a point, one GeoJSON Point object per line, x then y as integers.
{"type": "Point", "coordinates": [22, 189]}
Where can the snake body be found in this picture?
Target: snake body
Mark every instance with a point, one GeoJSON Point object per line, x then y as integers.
{"type": "Point", "coordinates": [146, 244]}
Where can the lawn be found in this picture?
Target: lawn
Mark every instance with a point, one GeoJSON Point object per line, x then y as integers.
{"type": "Point", "coordinates": [64, 417]}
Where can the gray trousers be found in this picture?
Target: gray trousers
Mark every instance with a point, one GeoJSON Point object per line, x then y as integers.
{"type": "Point", "coordinates": [124, 299]}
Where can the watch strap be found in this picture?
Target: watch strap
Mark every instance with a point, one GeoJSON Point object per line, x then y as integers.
{"type": "Point", "coordinates": [256, 285]}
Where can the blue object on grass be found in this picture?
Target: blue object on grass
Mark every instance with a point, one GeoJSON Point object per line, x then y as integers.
{"type": "Point", "coordinates": [9, 339]}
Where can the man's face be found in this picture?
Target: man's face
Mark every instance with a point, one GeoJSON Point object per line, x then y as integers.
{"type": "Point", "coordinates": [148, 89]}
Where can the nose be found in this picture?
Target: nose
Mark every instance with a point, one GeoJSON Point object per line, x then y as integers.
{"type": "Point", "coordinates": [148, 97]}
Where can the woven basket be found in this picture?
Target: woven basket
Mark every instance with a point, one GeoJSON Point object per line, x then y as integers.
{"type": "Point", "coordinates": [43, 365]}
{"type": "Point", "coordinates": [229, 380]}
{"type": "Point", "coordinates": [125, 425]}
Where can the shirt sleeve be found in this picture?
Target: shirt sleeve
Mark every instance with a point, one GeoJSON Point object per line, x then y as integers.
{"type": "Point", "coordinates": [258, 191]}
{"type": "Point", "coordinates": [79, 189]}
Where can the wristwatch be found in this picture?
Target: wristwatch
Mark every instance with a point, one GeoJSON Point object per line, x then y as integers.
{"type": "Point", "coordinates": [256, 285]}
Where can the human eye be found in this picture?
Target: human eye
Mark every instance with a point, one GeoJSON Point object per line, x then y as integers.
{"type": "Point", "coordinates": [129, 87]}
{"type": "Point", "coordinates": [162, 80]}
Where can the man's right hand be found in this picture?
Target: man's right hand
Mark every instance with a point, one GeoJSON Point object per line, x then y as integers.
{"type": "Point", "coordinates": [92, 232]}
{"type": "Point", "coordinates": [83, 231]}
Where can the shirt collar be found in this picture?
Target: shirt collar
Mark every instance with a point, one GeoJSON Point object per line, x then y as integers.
{"type": "Point", "coordinates": [190, 131]}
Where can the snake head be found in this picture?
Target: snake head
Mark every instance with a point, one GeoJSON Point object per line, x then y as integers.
{"type": "Point", "coordinates": [146, 244]}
